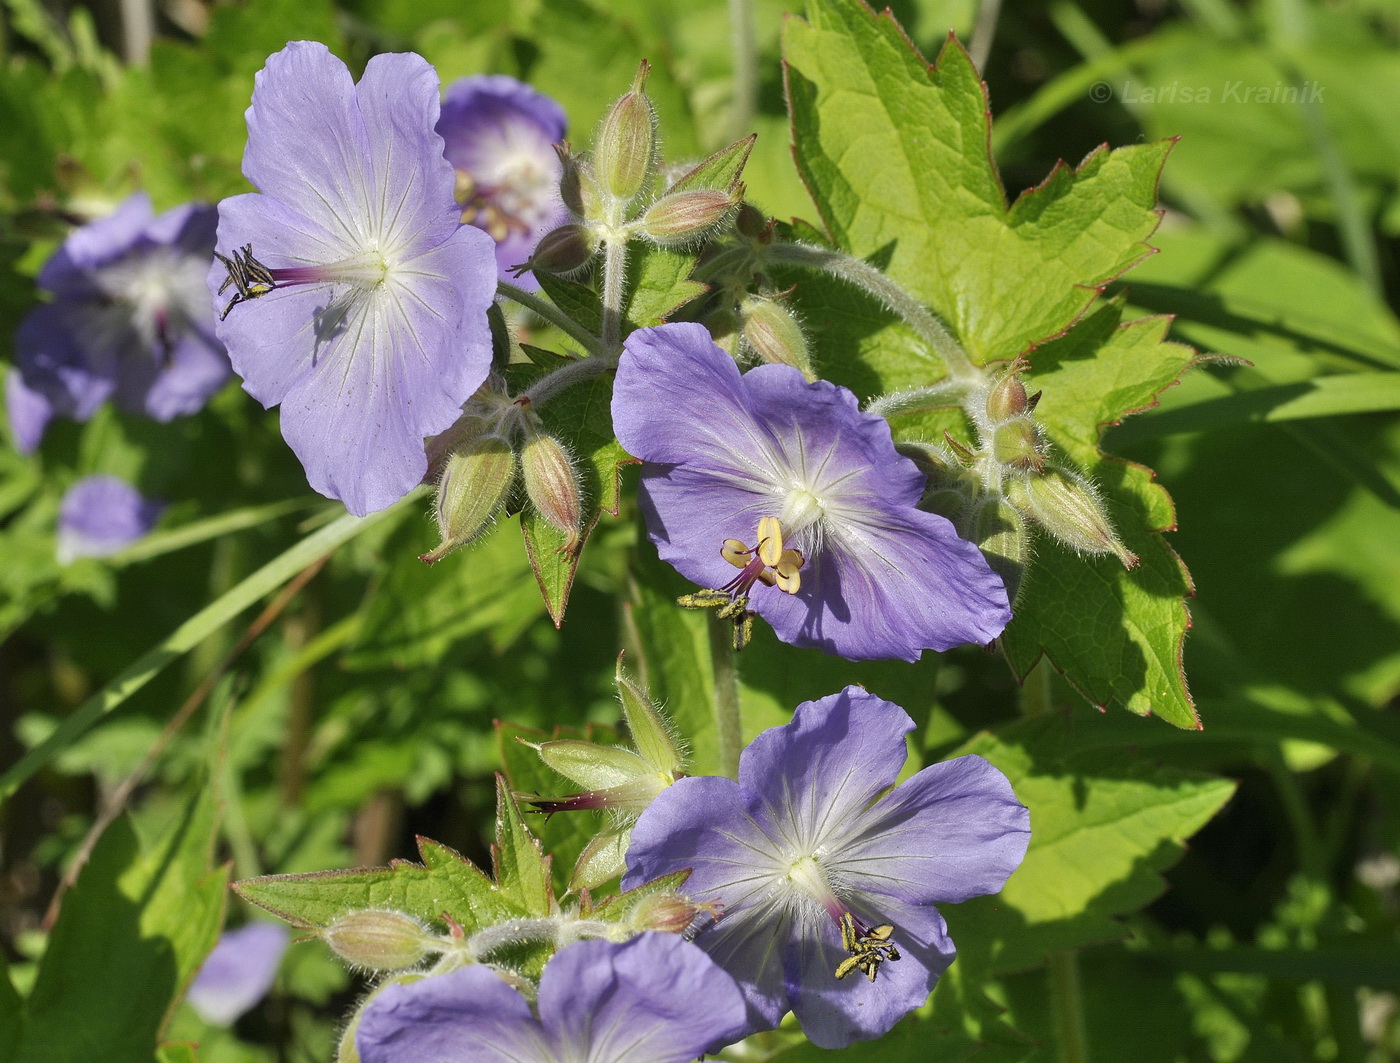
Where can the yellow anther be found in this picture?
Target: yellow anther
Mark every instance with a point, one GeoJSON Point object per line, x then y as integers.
{"type": "Point", "coordinates": [770, 541]}
{"type": "Point", "coordinates": [788, 578]}
{"type": "Point", "coordinates": [736, 553]}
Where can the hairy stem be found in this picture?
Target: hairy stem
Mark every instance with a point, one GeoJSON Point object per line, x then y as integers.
{"type": "Point", "coordinates": [563, 378]}
{"type": "Point", "coordinates": [743, 40]}
{"type": "Point", "coordinates": [614, 276]}
{"type": "Point", "coordinates": [917, 400]}
{"type": "Point", "coordinates": [876, 284]}
{"type": "Point", "coordinates": [551, 313]}
{"type": "Point", "coordinates": [726, 673]}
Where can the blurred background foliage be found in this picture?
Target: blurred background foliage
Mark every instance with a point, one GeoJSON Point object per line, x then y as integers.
{"type": "Point", "coordinates": [365, 715]}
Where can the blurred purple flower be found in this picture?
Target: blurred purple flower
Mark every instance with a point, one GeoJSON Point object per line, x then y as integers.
{"type": "Point", "coordinates": [653, 999]}
{"type": "Point", "coordinates": [100, 515]}
{"type": "Point", "coordinates": [238, 973]}
{"type": "Point", "coordinates": [129, 321]}
{"type": "Point", "coordinates": [499, 135]}
{"type": "Point", "coordinates": [828, 876]}
{"type": "Point", "coordinates": [369, 297]}
{"type": "Point", "coordinates": [802, 492]}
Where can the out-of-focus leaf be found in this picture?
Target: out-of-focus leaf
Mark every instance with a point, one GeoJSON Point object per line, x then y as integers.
{"type": "Point", "coordinates": [132, 934]}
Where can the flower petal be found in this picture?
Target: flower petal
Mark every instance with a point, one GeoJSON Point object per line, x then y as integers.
{"type": "Point", "coordinates": [238, 973]}
{"type": "Point", "coordinates": [954, 830]}
{"type": "Point", "coordinates": [465, 1016]}
{"type": "Point", "coordinates": [653, 999]}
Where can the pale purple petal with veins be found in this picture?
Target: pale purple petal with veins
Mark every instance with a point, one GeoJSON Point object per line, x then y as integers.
{"type": "Point", "coordinates": [811, 832]}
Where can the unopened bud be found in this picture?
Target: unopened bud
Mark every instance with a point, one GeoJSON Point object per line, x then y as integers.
{"type": "Point", "coordinates": [1068, 507]}
{"type": "Point", "coordinates": [1015, 445]}
{"type": "Point", "coordinates": [577, 187]}
{"type": "Point", "coordinates": [999, 530]}
{"type": "Point", "coordinates": [379, 940]}
{"type": "Point", "coordinates": [552, 484]}
{"type": "Point", "coordinates": [1007, 399]}
{"type": "Point", "coordinates": [683, 216]}
{"type": "Point", "coordinates": [625, 152]}
{"type": "Point", "coordinates": [476, 482]}
{"type": "Point", "coordinates": [750, 222]}
{"type": "Point", "coordinates": [564, 250]}
{"type": "Point", "coordinates": [670, 913]}
{"type": "Point", "coordinates": [774, 334]}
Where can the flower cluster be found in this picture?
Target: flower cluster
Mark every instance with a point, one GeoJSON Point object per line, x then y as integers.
{"type": "Point", "coordinates": [128, 322]}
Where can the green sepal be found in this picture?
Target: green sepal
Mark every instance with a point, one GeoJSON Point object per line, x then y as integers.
{"type": "Point", "coordinates": [720, 170]}
{"type": "Point", "coordinates": [522, 869]}
{"type": "Point", "coordinates": [652, 733]}
{"type": "Point", "coordinates": [592, 766]}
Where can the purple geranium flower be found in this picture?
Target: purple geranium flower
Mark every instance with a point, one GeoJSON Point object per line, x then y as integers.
{"type": "Point", "coordinates": [129, 321]}
{"type": "Point", "coordinates": [369, 297]}
{"type": "Point", "coordinates": [653, 999]}
{"type": "Point", "coordinates": [790, 483]}
{"type": "Point", "coordinates": [100, 515]}
{"type": "Point", "coordinates": [499, 135]}
{"type": "Point", "coordinates": [828, 876]}
{"type": "Point", "coordinates": [238, 973]}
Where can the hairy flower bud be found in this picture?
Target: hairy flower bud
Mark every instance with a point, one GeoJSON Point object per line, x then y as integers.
{"type": "Point", "coordinates": [772, 331]}
{"type": "Point", "coordinates": [379, 939]}
{"type": "Point", "coordinates": [577, 187]}
{"type": "Point", "coordinates": [751, 223]}
{"type": "Point", "coordinates": [999, 530]}
{"type": "Point", "coordinates": [563, 250]}
{"type": "Point", "coordinates": [680, 217]}
{"type": "Point", "coordinates": [670, 913]}
{"type": "Point", "coordinates": [476, 482]}
{"type": "Point", "coordinates": [625, 152]}
{"type": "Point", "coordinates": [1007, 399]}
{"type": "Point", "coordinates": [1068, 506]}
{"type": "Point", "coordinates": [1016, 446]}
{"type": "Point", "coordinates": [551, 483]}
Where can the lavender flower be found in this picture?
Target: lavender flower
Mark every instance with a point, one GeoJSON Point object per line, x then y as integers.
{"type": "Point", "coordinates": [100, 515]}
{"type": "Point", "coordinates": [369, 298]}
{"type": "Point", "coordinates": [790, 483]}
{"type": "Point", "coordinates": [499, 135]}
{"type": "Point", "coordinates": [827, 876]}
{"type": "Point", "coordinates": [238, 973]}
{"type": "Point", "coordinates": [653, 999]}
{"type": "Point", "coordinates": [129, 321]}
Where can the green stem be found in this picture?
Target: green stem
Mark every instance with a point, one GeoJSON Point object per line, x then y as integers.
{"type": "Point", "coordinates": [917, 400]}
{"type": "Point", "coordinates": [551, 313]}
{"type": "Point", "coordinates": [876, 284]}
{"type": "Point", "coordinates": [1067, 1006]}
{"type": "Point", "coordinates": [546, 387]}
{"type": "Point", "coordinates": [188, 635]}
{"type": "Point", "coordinates": [743, 40]}
{"type": "Point", "coordinates": [726, 673]}
{"type": "Point", "coordinates": [614, 277]}
{"type": "Point", "coordinates": [988, 11]}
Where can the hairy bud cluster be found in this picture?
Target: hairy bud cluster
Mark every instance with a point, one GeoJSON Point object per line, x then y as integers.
{"type": "Point", "coordinates": [490, 454]}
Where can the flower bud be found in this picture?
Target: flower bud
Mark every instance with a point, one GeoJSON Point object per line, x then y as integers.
{"type": "Point", "coordinates": [1007, 399]}
{"type": "Point", "coordinates": [476, 482]}
{"type": "Point", "coordinates": [552, 484]}
{"type": "Point", "coordinates": [999, 530]}
{"type": "Point", "coordinates": [752, 224]}
{"type": "Point", "coordinates": [625, 152]}
{"type": "Point", "coordinates": [774, 334]}
{"type": "Point", "coordinates": [377, 939]}
{"type": "Point", "coordinates": [670, 912]}
{"type": "Point", "coordinates": [1067, 506]}
{"type": "Point", "coordinates": [564, 250]}
{"type": "Point", "coordinates": [1015, 445]}
{"type": "Point", "coordinates": [680, 217]}
{"type": "Point", "coordinates": [577, 188]}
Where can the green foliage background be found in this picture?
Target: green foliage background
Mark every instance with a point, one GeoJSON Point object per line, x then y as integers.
{"type": "Point", "coordinates": [1262, 493]}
